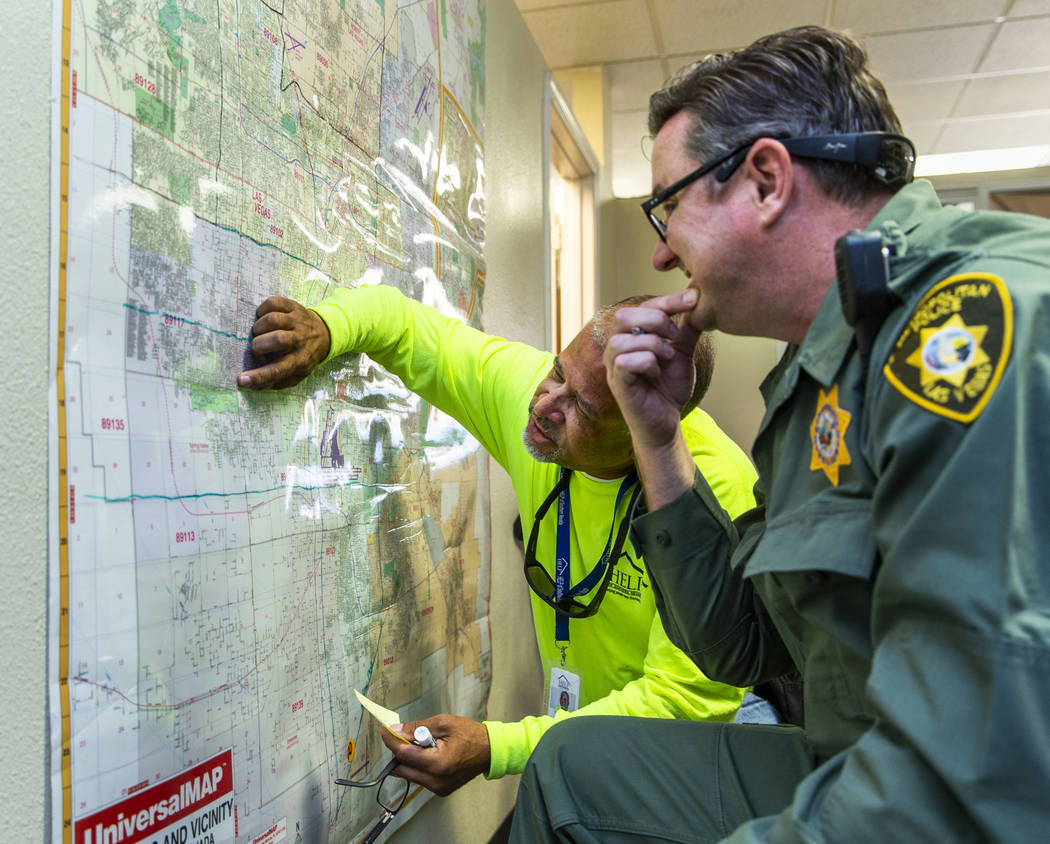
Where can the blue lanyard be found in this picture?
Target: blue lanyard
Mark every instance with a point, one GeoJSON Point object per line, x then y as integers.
{"type": "Point", "coordinates": [562, 588]}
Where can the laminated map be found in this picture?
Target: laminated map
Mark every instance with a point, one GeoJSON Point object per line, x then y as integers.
{"type": "Point", "coordinates": [227, 565]}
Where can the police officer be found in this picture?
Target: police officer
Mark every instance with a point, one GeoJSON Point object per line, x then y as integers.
{"type": "Point", "coordinates": [900, 554]}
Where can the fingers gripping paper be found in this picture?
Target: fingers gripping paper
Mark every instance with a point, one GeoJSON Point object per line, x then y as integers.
{"type": "Point", "coordinates": [386, 717]}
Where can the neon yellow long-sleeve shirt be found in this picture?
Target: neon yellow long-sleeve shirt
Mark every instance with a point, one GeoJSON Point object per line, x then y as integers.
{"type": "Point", "coordinates": [626, 663]}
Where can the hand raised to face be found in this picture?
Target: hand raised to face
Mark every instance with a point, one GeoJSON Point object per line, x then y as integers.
{"type": "Point", "coordinates": [649, 365]}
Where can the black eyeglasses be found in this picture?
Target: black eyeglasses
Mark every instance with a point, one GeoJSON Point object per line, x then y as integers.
{"type": "Point", "coordinates": [888, 158]}
{"type": "Point", "coordinates": [543, 584]}
{"type": "Point", "coordinates": [389, 798]}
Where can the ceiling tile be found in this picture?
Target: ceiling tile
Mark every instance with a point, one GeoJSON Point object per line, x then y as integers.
{"type": "Point", "coordinates": [924, 134]}
{"type": "Point", "coordinates": [994, 133]}
{"type": "Point", "coordinates": [631, 83]}
{"type": "Point", "coordinates": [592, 33]}
{"type": "Point", "coordinates": [689, 26]}
{"type": "Point", "coordinates": [910, 56]}
{"type": "Point", "coordinates": [1020, 44]}
{"type": "Point", "coordinates": [927, 53]}
{"type": "Point", "coordinates": [1022, 8]}
{"type": "Point", "coordinates": [860, 16]}
{"type": "Point", "coordinates": [676, 62]}
{"type": "Point", "coordinates": [1004, 94]}
{"type": "Point", "coordinates": [925, 100]}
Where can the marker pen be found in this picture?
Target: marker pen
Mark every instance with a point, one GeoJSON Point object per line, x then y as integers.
{"type": "Point", "coordinates": [424, 738]}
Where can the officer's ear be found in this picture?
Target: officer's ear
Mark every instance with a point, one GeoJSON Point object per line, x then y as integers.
{"type": "Point", "coordinates": [771, 179]}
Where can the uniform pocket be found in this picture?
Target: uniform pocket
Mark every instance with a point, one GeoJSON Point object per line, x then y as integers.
{"type": "Point", "coordinates": [814, 570]}
{"type": "Point", "coordinates": [827, 535]}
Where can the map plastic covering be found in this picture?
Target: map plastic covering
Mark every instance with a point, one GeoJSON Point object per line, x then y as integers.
{"type": "Point", "coordinates": [230, 566]}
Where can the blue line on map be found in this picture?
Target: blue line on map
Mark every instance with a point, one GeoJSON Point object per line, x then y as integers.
{"type": "Point", "coordinates": [199, 324]}
{"type": "Point", "coordinates": [137, 497]}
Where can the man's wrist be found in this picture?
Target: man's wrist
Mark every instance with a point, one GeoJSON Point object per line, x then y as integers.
{"type": "Point", "coordinates": [666, 470]}
{"type": "Point", "coordinates": [325, 313]}
{"type": "Point", "coordinates": [323, 338]}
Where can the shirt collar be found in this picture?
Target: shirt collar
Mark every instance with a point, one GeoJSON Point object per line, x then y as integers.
{"type": "Point", "coordinates": [598, 480]}
{"type": "Point", "coordinates": [829, 336]}
{"type": "Point", "coordinates": [910, 206]}
{"type": "Point", "coordinates": [826, 343]}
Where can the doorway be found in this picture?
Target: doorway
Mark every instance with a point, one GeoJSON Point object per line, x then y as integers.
{"type": "Point", "coordinates": [573, 175]}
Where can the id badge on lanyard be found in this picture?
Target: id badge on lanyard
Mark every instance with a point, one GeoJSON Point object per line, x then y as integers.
{"type": "Point", "coordinates": [563, 689]}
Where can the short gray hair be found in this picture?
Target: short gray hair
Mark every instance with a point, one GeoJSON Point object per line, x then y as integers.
{"type": "Point", "coordinates": [703, 354]}
{"type": "Point", "coordinates": [803, 81]}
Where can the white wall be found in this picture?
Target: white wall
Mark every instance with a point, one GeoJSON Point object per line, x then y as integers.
{"type": "Point", "coordinates": [23, 420]}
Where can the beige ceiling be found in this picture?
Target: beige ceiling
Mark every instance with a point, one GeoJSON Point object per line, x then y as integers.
{"type": "Point", "coordinates": [963, 74]}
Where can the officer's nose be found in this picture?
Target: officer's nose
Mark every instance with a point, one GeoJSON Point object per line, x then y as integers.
{"type": "Point", "coordinates": [664, 259]}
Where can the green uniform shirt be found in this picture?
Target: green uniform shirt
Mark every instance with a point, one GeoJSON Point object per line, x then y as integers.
{"type": "Point", "coordinates": [900, 557]}
{"type": "Point", "coordinates": [627, 664]}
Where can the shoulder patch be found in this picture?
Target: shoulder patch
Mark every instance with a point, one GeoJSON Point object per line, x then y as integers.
{"type": "Point", "coordinates": [952, 352]}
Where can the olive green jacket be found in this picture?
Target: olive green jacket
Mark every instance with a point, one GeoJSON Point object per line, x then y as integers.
{"type": "Point", "coordinates": [900, 554]}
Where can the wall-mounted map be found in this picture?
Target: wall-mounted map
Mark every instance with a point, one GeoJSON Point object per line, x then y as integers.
{"type": "Point", "coordinates": [231, 565]}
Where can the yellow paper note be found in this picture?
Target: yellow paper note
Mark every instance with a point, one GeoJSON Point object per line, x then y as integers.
{"type": "Point", "coordinates": [384, 716]}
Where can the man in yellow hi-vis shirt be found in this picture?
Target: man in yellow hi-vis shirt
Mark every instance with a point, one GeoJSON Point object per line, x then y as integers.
{"type": "Point", "coordinates": [551, 422]}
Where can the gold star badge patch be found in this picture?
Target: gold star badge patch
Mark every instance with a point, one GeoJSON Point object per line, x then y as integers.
{"type": "Point", "coordinates": [952, 352]}
{"type": "Point", "coordinates": [827, 432]}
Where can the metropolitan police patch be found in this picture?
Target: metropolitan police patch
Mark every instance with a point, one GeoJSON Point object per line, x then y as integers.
{"type": "Point", "coordinates": [951, 354]}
